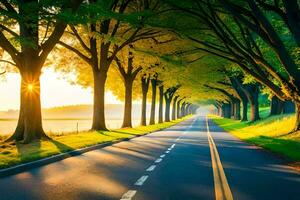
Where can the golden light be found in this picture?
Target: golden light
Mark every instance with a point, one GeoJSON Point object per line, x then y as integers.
{"type": "Point", "coordinates": [30, 87]}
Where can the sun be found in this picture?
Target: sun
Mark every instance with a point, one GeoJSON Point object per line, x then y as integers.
{"type": "Point", "coordinates": [30, 87]}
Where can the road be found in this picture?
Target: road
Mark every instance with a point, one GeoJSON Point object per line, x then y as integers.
{"type": "Point", "coordinates": [191, 160]}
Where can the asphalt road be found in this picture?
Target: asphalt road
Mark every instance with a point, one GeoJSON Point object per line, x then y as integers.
{"type": "Point", "coordinates": [192, 160]}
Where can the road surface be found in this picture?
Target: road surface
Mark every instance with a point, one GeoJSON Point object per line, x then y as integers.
{"type": "Point", "coordinates": [191, 160]}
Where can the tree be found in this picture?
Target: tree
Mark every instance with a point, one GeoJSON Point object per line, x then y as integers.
{"type": "Point", "coordinates": [145, 81]}
{"type": "Point", "coordinates": [168, 94]}
{"type": "Point", "coordinates": [104, 39]}
{"type": "Point", "coordinates": [243, 33]}
{"type": "Point", "coordinates": [128, 73]}
{"type": "Point", "coordinates": [161, 100]}
{"type": "Point", "coordinates": [153, 99]}
{"type": "Point", "coordinates": [24, 37]}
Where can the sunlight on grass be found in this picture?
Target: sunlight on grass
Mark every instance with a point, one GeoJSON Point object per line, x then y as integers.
{"type": "Point", "coordinates": [11, 154]}
{"type": "Point", "coordinates": [272, 133]}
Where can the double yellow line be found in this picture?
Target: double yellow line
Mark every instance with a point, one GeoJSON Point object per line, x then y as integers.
{"type": "Point", "coordinates": [222, 189]}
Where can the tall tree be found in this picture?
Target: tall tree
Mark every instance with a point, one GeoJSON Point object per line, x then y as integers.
{"type": "Point", "coordinates": [24, 37]}
{"type": "Point", "coordinates": [145, 81]}
{"type": "Point", "coordinates": [128, 72]}
{"type": "Point", "coordinates": [107, 36]}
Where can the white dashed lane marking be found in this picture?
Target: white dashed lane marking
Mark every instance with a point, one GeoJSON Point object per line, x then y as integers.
{"type": "Point", "coordinates": [131, 193]}
{"type": "Point", "coordinates": [151, 168]}
{"type": "Point", "coordinates": [128, 195]}
{"type": "Point", "coordinates": [141, 180]}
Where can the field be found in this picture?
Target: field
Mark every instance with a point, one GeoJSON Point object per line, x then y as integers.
{"type": "Point", "coordinates": [272, 133]}
{"type": "Point", "coordinates": [13, 154]}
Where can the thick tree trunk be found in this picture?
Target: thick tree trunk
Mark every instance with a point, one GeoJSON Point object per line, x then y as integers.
{"type": "Point", "coordinates": [174, 109]}
{"type": "Point", "coordinates": [276, 106]}
{"type": "Point", "coordinates": [232, 111]}
{"type": "Point", "coordinates": [178, 109]}
{"type": "Point", "coordinates": [153, 101]}
{"type": "Point", "coordinates": [145, 86]}
{"type": "Point", "coordinates": [127, 119]}
{"type": "Point", "coordinates": [161, 102]}
{"type": "Point", "coordinates": [297, 116]}
{"type": "Point", "coordinates": [29, 125]}
{"type": "Point", "coordinates": [245, 109]}
{"type": "Point", "coordinates": [252, 92]}
{"type": "Point", "coordinates": [183, 109]}
{"type": "Point", "coordinates": [288, 107]}
{"type": "Point", "coordinates": [99, 101]}
{"type": "Point", "coordinates": [226, 110]}
{"type": "Point", "coordinates": [187, 107]}
{"type": "Point", "coordinates": [167, 110]}
{"type": "Point", "coordinates": [237, 109]}
{"type": "Point", "coordinates": [254, 110]}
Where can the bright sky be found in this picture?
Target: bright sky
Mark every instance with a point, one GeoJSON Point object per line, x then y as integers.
{"type": "Point", "coordinates": [55, 91]}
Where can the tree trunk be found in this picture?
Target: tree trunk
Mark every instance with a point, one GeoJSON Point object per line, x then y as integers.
{"type": "Point", "coordinates": [174, 109]}
{"type": "Point", "coordinates": [145, 86]}
{"type": "Point", "coordinates": [226, 107]}
{"type": "Point", "coordinates": [183, 109]}
{"type": "Point", "coordinates": [161, 102]}
{"type": "Point", "coordinates": [237, 109]}
{"type": "Point", "coordinates": [167, 110]}
{"type": "Point", "coordinates": [153, 101]}
{"type": "Point", "coordinates": [252, 92]}
{"type": "Point", "coordinates": [276, 106]}
{"type": "Point", "coordinates": [187, 107]}
{"type": "Point", "coordinates": [288, 107]}
{"type": "Point", "coordinates": [99, 101]}
{"type": "Point", "coordinates": [29, 125]}
{"type": "Point", "coordinates": [254, 106]}
{"type": "Point", "coordinates": [245, 109]}
{"type": "Point", "coordinates": [178, 109]}
{"type": "Point", "coordinates": [232, 111]}
{"type": "Point", "coordinates": [297, 122]}
{"type": "Point", "coordinates": [127, 119]}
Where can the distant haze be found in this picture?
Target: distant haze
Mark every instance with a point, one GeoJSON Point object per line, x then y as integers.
{"type": "Point", "coordinates": [112, 111]}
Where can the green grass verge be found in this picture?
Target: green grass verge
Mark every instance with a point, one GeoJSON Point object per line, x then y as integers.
{"type": "Point", "coordinates": [16, 153]}
{"type": "Point", "coordinates": [272, 133]}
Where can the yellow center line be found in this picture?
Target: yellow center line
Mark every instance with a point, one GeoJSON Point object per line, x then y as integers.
{"type": "Point", "coordinates": [222, 189]}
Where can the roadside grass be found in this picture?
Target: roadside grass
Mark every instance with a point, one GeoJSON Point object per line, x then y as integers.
{"type": "Point", "coordinates": [272, 133]}
{"type": "Point", "coordinates": [16, 153]}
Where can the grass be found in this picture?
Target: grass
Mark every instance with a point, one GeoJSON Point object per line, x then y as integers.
{"type": "Point", "coordinates": [16, 153]}
{"type": "Point", "coordinates": [272, 133]}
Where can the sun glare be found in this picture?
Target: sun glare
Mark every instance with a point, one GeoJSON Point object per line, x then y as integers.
{"type": "Point", "coordinates": [30, 87]}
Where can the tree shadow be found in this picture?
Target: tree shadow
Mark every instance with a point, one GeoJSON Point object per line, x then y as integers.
{"type": "Point", "coordinates": [34, 151]}
{"type": "Point", "coordinates": [289, 149]}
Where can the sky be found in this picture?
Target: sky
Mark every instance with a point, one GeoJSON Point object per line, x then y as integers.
{"type": "Point", "coordinates": [55, 91]}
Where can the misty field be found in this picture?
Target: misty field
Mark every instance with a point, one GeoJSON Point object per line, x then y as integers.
{"type": "Point", "coordinates": [58, 126]}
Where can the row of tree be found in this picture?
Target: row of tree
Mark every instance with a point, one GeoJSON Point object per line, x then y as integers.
{"type": "Point", "coordinates": [101, 35]}
{"type": "Point", "coordinates": [260, 42]}
{"type": "Point", "coordinates": [221, 52]}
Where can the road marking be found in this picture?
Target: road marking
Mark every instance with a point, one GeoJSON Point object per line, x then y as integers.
{"type": "Point", "coordinates": [128, 195]}
{"type": "Point", "coordinates": [141, 180]}
{"type": "Point", "coordinates": [222, 189]}
{"type": "Point", "coordinates": [151, 168]}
